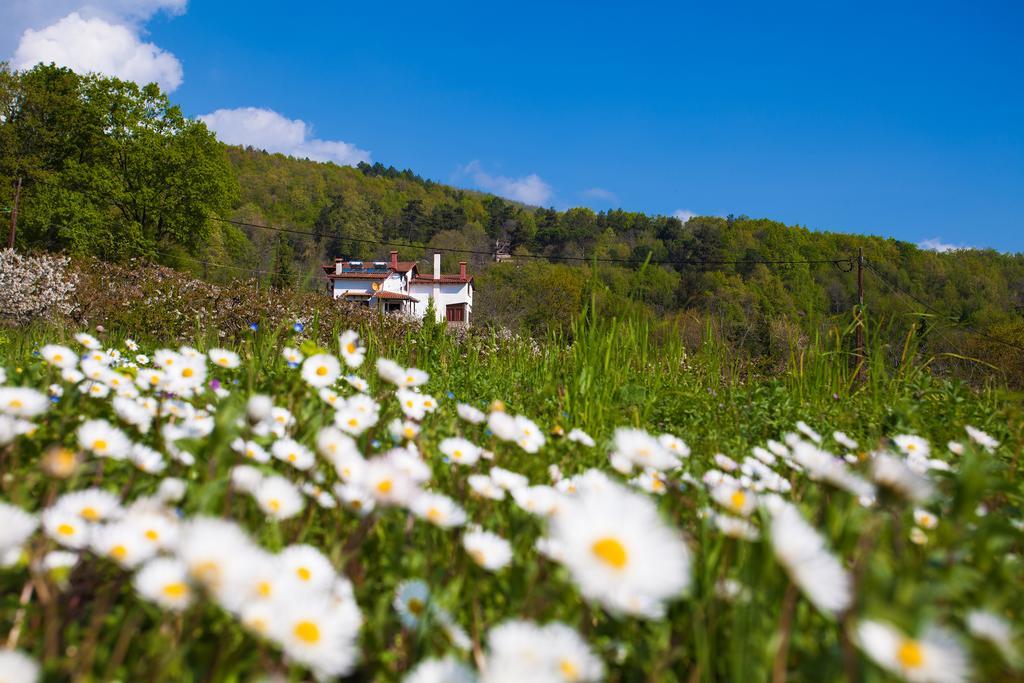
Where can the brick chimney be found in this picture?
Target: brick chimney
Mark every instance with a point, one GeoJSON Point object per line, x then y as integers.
{"type": "Point", "coordinates": [462, 270]}
{"type": "Point", "coordinates": [394, 260]}
{"type": "Point", "coordinates": [437, 266]}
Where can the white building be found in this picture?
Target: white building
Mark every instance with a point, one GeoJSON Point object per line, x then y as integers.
{"type": "Point", "coordinates": [397, 287]}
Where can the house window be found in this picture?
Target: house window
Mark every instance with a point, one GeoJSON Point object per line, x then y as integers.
{"type": "Point", "coordinates": [393, 307]}
{"type": "Point", "coordinates": [455, 313]}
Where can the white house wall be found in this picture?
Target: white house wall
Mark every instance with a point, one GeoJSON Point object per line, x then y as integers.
{"type": "Point", "coordinates": [444, 294]}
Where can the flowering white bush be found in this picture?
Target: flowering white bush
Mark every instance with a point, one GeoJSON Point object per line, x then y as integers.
{"type": "Point", "coordinates": [34, 287]}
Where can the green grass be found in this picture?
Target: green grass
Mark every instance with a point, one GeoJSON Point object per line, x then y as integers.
{"type": "Point", "coordinates": [597, 377]}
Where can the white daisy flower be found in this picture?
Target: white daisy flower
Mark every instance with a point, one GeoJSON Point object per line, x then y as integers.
{"type": "Point", "coordinates": [355, 497]}
{"type": "Point", "coordinates": [351, 351]}
{"type": "Point", "coordinates": [619, 550]}
{"type": "Point", "coordinates": [523, 651]}
{"type": "Point", "coordinates": [357, 383]}
{"type": "Point", "coordinates": [293, 453]}
{"type": "Point", "coordinates": [981, 438]}
{"type": "Point", "coordinates": [801, 550]}
{"type": "Point", "coordinates": [59, 356]}
{"type": "Point", "coordinates": [17, 667]}
{"type": "Point", "coordinates": [292, 356]}
{"type": "Point", "coordinates": [925, 519]}
{"type": "Point", "coordinates": [843, 440]}
{"type": "Point", "coordinates": [250, 450]}
{"type": "Point", "coordinates": [164, 581]}
{"type": "Point", "coordinates": [460, 451]}
{"type": "Point", "coordinates": [538, 500]}
{"type": "Point", "coordinates": [23, 402]}
{"type": "Point", "coordinates": [989, 626]}
{"type": "Point", "coordinates": [123, 542]}
{"type": "Point", "coordinates": [470, 414]}
{"type": "Point", "coordinates": [934, 657]}
{"type": "Point", "coordinates": [318, 634]}
{"type": "Point", "coordinates": [734, 498]}
{"type": "Point", "coordinates": [102, 439]}
{"type": "Point", "coordinates": [483, 486]}
{"type": "Point", "coordinates": [411, 601]}
{"type": "Point", "coordinates": [955, 447]}
{"type": "Point", "coordinates": [66, 528]}
{"type": "Point", "coordinates": [806, 430]}
{"type": "Point", "coordinates": [147, 459]}
{"type": "Point", "coordinates": [88, 341]}
{"type": "Point", "coordinates": [91, 505]}
{"type": "Point", "coordinates": [489, 550]}
{"type": "Point", "coordinates": [16, 526]}
{"type": "Point", "coordinates": [447, 670]}
{"type": "Point", "coordinates": [279, 498]}
{"type": "Point", "coordinates": [438, 509]}
{"type": "Point", "coordinates": [307, 567]}
{"type": "Point", "coordinates": [321, 370]}
{"type": "Point", "coordinates": [673, 444]}
{"type": "Point", "coordinates": [246, 478]}
{"type": "Point", "coordinates": [508, 480]}
{"type": "Point", "coordinates": [642, 449]}
{"type": "Point", "coordinates": [912, 445]}
{"type": "Point", "coordinates": [224, 358]}
{"type": "Point", "coordinates": [895, 474]}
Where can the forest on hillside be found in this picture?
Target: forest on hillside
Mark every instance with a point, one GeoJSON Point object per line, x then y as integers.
{"type": "Point", "coordinates": [103, 167]}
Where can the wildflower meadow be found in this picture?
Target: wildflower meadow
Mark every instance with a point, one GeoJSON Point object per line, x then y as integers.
{"type": "Point", "coordinates": [428, 508]}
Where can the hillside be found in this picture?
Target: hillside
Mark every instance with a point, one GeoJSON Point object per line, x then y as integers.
{"type": "Point", "coordinates": [116, 171]}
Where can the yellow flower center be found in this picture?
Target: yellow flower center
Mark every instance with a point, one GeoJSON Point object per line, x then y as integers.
{"type": "Point", "coordinates": [910, 654]}
{"type": "Point", "coordinates": [737, 500]}
{"type": "Point", "coordinates": [15, 403]}
{"type": "Point", "coordinates": [409, 432]}
{"type": "Point", "coordinates": [353, 422]}
{"type": "Point", "coordinates": [66, 530]}
{"type": "Point", "coordinates": [152, 535]}
{"type": "Point", "coordinates": [356, 504]}
{"type": "Point", "coordinates": [384, 486]}
{"type": "Point", "coordinates": [292, 457]}
{"type": "Point", "coordinates": [351, 348]}
{"type": "Point", "coordinates": [434, 515]}
{"type": "Point", "coordinates": [304, 573]}
{"type": "Point", "coordinates": [274, 505]}
{"type": "Point", "coordinates": [250, 452]}
{"type": "Point", "coordinates": [177, 589]}
{"type": "Point", "coordinates": [119, 552]}
{"type": "Point", "coordinates": [307, 632]}
{"type": "Point", "coordinates": [416, 606]}
{"type": "Point", "coordinates": [321, 371]}
{"type": "Point", "coordinates": [188, 372]}
{"type": "Point", "coordinates": [90, 513]}
{"type": "Point", "coordinates": [57, 358]}
{"type": "Point", "coordinates": [911, 446]}
{"type": "Point", "coordinates": [478, 557]}
{"type": "Point", "coordinates": [207, 572]}
{"type": "Point", "coordinates": [154, 379]}
{"type": "Point", "coordinates": [263, 589]}
{"type": "Point", "coordinates": [410, 379]}
{"type": "Point", "coordinates": [99, 445]}
{"type": "Point", "coordinates": [456, 454]}
{"type": "Point", "coordinates": [568, 670]}
{"type": "Point", "coordinates": [611, 552]}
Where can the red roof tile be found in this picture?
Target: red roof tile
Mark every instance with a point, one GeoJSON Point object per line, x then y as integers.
{"type": "Point", "coordinates": [357, 276]}
{"type": "Point", "coordinates": [444, 279]}
{"type": "Point", "coordinates": [396, 296]}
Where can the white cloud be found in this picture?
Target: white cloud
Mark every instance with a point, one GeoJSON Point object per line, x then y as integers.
{"type": "Point", "coordinates": [18, 15]}
{"type": "Point", "coordinates": [95, 44]}
{"type": "Point", "coordinates": [602, 195]}
{"type": "Point", "coordinates": [529, 189]}
{"type": "Point", "coordinates": [683, 214]}
{"type": "Point", "coordinates": [936, 244]}
{"type": "Point", "coordinates": [266, 129]}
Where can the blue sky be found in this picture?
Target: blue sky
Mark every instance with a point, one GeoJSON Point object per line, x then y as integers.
{"type": "Point", "coordinates": [904, 120]}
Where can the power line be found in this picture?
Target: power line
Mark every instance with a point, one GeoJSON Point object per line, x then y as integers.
{"type": "Point", "coordinates": [837, 262]}
{"type": "Point", "coordinates": [966, 328]}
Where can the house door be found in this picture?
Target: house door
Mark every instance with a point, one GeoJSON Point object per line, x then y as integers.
{"type": "Point", "coordinates": [455, 313]}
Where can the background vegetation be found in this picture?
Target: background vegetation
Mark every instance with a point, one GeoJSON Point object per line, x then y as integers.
{"type": "Point", "coordinates": [112, 170]}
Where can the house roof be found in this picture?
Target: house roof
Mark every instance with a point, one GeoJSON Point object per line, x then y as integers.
{"type": "Point", "coordinates": [405, 266]}
{"type": "Point", "coordinates": [394, 296]}
{"type": "Point", "coordinates": [444, 279]}
{"type": "Point", "coordinates": [357, 276]}
{"type": "Point", "coordinates": [357, 295]}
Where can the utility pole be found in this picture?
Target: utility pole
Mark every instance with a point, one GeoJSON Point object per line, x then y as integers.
{"type": "Point", "coordinates": [860, 313]}
{"type": "Point", "coordinates": [14, 215]}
